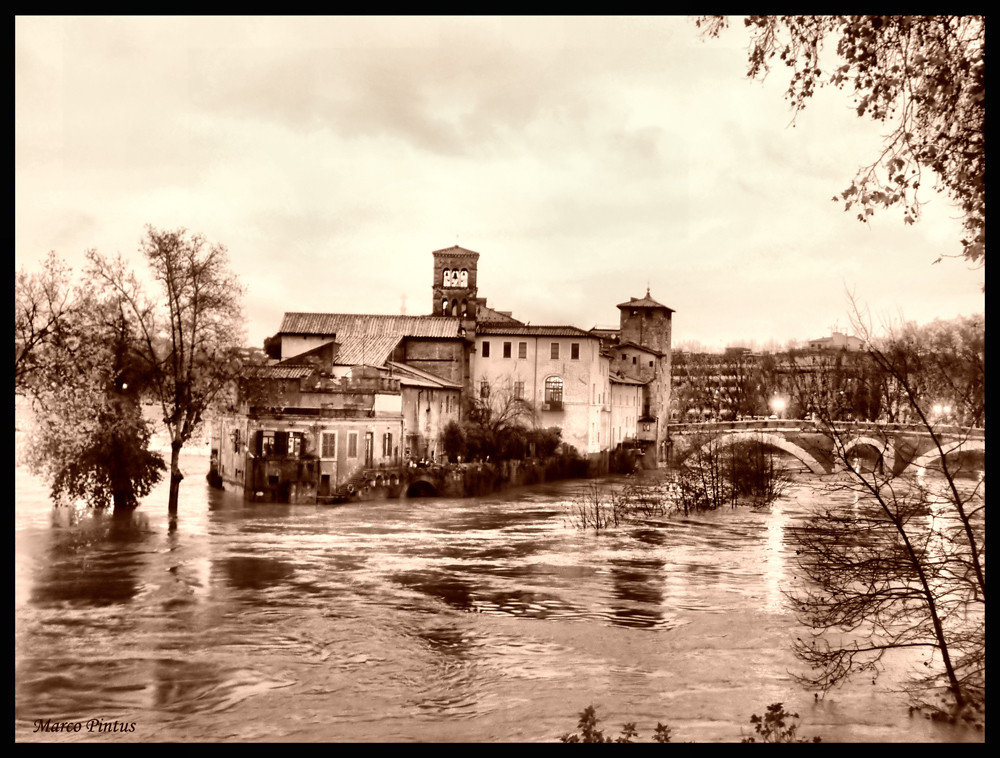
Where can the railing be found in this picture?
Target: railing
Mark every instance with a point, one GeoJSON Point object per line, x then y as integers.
{"type": "Point", "coordinates": [808, 425]}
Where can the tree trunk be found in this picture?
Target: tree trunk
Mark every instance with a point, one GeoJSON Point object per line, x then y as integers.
{"type": "Point", "coordinates": [175, 477]}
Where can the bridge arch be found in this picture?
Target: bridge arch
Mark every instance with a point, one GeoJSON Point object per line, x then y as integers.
{"type": "Point", "coordinates": [931, 457]}
{"type": "Point", "coordinates": [774, 440]}
{"type": "Point", "coordinates": [421, 488]}
{"type": "Point", "coordinates": [884, 449]}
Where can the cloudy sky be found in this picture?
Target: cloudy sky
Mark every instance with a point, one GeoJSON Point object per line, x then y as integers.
{"type": "Point", "coordinates": [584, 158]}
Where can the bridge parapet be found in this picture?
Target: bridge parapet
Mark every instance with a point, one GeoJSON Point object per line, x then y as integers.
{"type": "Point", "coordinates": [819, 445]}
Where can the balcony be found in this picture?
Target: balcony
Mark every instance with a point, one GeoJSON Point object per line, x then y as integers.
{"type": "Point", "coordinates": [552, 405]}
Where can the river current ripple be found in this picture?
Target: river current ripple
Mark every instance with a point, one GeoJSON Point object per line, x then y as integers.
{"type": "Point", "coordinates": [482, 619]}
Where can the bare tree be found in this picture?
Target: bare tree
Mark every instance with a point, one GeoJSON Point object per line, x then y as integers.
{"type": "Point", "coordinates": [902, 568]}
{"type": "Point", "coordinates": [190, 340]}
{"type": "Point", "coordinates": [496, 423]}
{"type": "Point", "coordinates": [43, 301]}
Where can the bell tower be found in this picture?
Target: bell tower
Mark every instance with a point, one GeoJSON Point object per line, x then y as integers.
{"type": "Point", "coordinates": [454, 283]}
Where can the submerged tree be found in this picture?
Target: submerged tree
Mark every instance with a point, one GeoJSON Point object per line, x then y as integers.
{"type": "Point", "coordinates": [902, 568]}
{"type": "Point", "coordinates": [190, 342]}
{"type": "Point", "coordinates": [88, 433]}
{"type": "Point", "coordinates": [923, 76]}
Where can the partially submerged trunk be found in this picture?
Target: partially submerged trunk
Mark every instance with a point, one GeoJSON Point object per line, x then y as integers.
{"type": "Point", "coordinates": [175, 476]}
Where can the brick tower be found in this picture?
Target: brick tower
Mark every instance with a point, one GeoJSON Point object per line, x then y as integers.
{"type": "Point", "coordinates": [454, 284]}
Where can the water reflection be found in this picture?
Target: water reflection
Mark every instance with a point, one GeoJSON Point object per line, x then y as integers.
{"type": "Point", "coordinates": [93, 558]}
{"type": "Point", "coordinates": [414, 620]}
{"type": "Point", "coordinates": [637, 585]}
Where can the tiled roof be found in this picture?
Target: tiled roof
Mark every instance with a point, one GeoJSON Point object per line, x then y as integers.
{"type": "Point", "coordinates": [360, 349]}
{"type": "Point", "coordinates": [343, 324]}
{"type": "Point", "coordinates": [279, 372]}
{"type": "Point", "coordinates": [525, 330]}
{"type": "Point", "coordinates": [644, 302]}
{"type": "Point", "coordinates": [456, 250]}
{"type": "Point", "coordinates": [486, 315]}
{"type": "Point", "coordinates": [626, 380]}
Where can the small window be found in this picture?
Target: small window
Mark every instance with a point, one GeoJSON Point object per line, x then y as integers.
{"type": "Point", "coordinates": [352, 445]}
{"type": "Point", "coordinates": [633, 360]}
{"type": "Point", "coordinates": [554, 354]}
{"type": "Point", "coordinates": [486, 349]}
{"type": "Point", "coordinates": [574, 351]}
{"type": "Point", "coordinates": [519, 390]}
{"type": "Point", "coordinates": [329, 445]}
{"type": "Point", "coordinates": [651, 364]}
{"type": "Point", "coordinates": [484, 389]}
{"type": "Point", "coordinates": [522, 349]}
{"type": "Point", "coordinates": [387, 445]}
{"type": "Point", "coordinates": [506, 349]}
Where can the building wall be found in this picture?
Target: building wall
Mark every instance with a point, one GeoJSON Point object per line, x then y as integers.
{"type": "Point", "coordinates": [426, 412]}
{"type": "Point", "coordinates": [294, 344]}
{"type": "Point", "coordinates": [444, 358]}
{"type": "Point", "coordinates": [585, 391]}
{"type": "Point", "coordinates": [626, 407]}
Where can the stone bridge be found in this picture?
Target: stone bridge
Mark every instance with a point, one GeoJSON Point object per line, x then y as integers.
{"type": "Point", "coordinates": [896, 447]}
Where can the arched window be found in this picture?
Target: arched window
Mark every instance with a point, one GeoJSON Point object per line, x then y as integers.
{"type": "Point", "coordinates": [444, 306]}
{"type": "Point", "coordinates": [454, 307]}
{"type": "Point", "coordinates": [463, 278]}
{"type": "Point", "coordinates": [447, 277]}
{"type": "Point", "coordinates": [465, 308]}
{"type": "Point", "coordinates": [554, 390]}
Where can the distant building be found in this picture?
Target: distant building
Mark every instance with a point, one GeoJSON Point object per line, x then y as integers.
{"type": "Point", "coordinates": [837, 341]}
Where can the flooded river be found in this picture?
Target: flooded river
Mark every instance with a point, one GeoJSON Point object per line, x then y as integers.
{"type": "Point", "coordinates": [484, 619]}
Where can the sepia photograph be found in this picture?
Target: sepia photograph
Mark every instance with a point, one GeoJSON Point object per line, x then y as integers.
{"type": "Point", "coordinates": [499, 379]}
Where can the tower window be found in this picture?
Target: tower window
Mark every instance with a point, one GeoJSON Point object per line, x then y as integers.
{"type": "Point", "coordinates": [463, 278]}
{"type": "Point", "coordinates": [447, 277]}
{"type": "Point", "coordinates": [444, 306]}
{"type": "Point", "coordinates": [454, 307]}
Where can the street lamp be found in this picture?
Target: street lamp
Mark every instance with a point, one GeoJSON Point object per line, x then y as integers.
{"type": "Point", "coordinates": [778, 406]}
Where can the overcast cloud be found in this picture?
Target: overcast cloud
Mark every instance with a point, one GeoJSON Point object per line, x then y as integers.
{"type": "Point", "coordinates": [584, 158]}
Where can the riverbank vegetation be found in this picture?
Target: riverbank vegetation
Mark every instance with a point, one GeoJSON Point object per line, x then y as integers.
{"type": "Point", "coordinates": [903, 568]}
{"type": "Point", "coordinates": [775, 726]}
{"type": "Point", "coordinates": [718, 473]}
